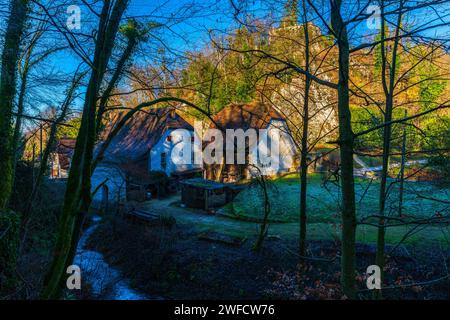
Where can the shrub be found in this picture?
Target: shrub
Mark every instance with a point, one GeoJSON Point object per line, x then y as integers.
{"type": "Point", "coordinates": [9, 243]}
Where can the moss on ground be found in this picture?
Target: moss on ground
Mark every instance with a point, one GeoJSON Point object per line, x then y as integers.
{"type": "Point", "coordinates": [323, 210]}
{"type": "Point", "coordinates": [323, 200]}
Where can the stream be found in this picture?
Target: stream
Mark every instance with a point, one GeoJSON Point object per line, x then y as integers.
{"type": "Point", "coordinates": [106, 281]}
{"type": "Point", "coordinates": [366, 169]}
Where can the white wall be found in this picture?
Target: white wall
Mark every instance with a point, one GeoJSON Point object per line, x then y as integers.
{"type": "Point", "coordinates": [286, 152]}
{"type": "Point", "coordinates": [287, 145]}
{"type": "Point", "coordinates": [115, 183]}
{"type": "Point", "coordinates": [167, 147]}
{"type": "Point", "coordinates": [287, 149]}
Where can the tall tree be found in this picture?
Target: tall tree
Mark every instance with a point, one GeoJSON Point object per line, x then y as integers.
{"type": "Point", "coordinates": [78, 192]}
{"type": "Point", "coordinates": [9, 60]}
{"type": "Point", "coordinates": [388, 71]}
{"type": "Point", "coordinates": [9, 221]}
{"type": "Point", "coordinates": [346, 141]}
{"type": "Point", "coordinates": [305, 135]}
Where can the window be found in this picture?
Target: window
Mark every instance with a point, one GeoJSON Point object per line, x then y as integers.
{"type": "Point", "coordinates": [163, 161]}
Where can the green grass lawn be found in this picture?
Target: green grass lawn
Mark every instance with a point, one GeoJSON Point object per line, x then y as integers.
{"type": "Point", "coordinates": [323, 208]}
{"type": "Point", "coordinates": [323, 201]}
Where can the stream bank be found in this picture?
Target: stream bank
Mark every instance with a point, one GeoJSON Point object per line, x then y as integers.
{"type": "Point", "coordinates": [107, 282]}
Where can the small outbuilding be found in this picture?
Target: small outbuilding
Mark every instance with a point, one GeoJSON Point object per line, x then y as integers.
{"type": "Point", "coordinates": [206, 194]}
{"type": "Point", "coordinates": [203, 194]}
{"type": "Point", "coordinates": [142, 185]}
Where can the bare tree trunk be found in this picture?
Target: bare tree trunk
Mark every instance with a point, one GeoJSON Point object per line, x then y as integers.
{"type": "Point", "coordinates": [379, 260]}
{"type": "Point", "coordinates": [304, 150]}
{"type": "Point", "coordinates": [264, 227]}
{"type": "Point", "coordinates": [387, 135]}
{"type": "Point", "coordinates": [402, 171]}
{"type": "Point", "coordinates": [304, 177]}
{"type": "Point", "coordinates": [131, 45]}
{"type": "Point", "coordinates": [346, 141]}
{"type": "Point", "coordinates": [33, 163]}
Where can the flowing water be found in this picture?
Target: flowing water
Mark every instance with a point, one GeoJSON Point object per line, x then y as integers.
{"type": "Point", "coordinates": [106, 281]}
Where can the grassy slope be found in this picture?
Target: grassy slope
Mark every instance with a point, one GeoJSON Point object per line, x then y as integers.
{"type": "Point", "coordinates": [323, 210]}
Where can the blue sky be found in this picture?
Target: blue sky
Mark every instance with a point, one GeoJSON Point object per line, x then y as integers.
{"type": "Point", "coordinates": [190, 31]}
{"type": "Point", "coordinates": [188, 21]}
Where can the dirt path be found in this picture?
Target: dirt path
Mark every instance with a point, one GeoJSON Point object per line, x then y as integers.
{"type": "Point", "coordinates": [204, 222]}
{"type": "Point", "coordinates": [201, 222]}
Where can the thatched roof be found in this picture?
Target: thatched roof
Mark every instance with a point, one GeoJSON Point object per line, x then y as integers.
{"type": "Point", "coordinates": [246, 115]}
{"type": "Point", "coordinates": [142, 132]}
